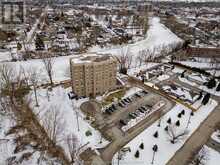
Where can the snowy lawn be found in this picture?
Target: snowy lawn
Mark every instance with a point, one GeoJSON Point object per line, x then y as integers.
{"type": "Point", "coordinates": [165, 148]}
{"type": "Point", "coordinates": [60, 104]}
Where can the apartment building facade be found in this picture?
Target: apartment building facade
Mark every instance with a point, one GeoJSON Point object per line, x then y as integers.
{"type": "Point", "coordinates": [93, 74]}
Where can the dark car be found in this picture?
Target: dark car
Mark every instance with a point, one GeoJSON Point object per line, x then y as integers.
{"type": "Point", "coordinates": [123, 122]}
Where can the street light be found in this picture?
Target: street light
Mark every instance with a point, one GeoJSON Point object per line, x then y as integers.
{"type": "Point", "coordinates": [155, 149]}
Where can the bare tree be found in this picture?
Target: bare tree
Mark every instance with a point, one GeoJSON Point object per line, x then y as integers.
{"type": "Point", "coordinates": [33, 78]}
{"type": "Point", "coordinates": [174, 134]}
{"type": "Point", "coordinates": [53, 123]}
{"type": "Point", "coordinates": [72, 143]}
{"type": "Point", "coordinates": [141, 57]}
{"type": "Point", "coordinates": [201, 158]}
{"type": "Point", "coordinates": [48, 62]}
{"type": "Point", "coordinates": [7, 78]}
{"type": "Point", "coordinates": [125, 58]}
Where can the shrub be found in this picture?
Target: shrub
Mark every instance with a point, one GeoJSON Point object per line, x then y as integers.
{"type": "Point", "coordinates": [178, 123]}
{"type": "Point", "coordinates": [183, 112]}
{"type": "Point", "coordinates": [156, 134]}
{"type": "Point", "coordinates": [169, 121]}
{"type": "Point", "coordinates": [141, 146]}
{"type": "Point", "coordinates": [137, 154]}
{"type": "Point", "coordinates": [88, 133]}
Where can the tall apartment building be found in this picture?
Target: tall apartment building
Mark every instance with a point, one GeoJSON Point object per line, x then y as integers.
{"type": "Point", "coordinates": [93, 74]}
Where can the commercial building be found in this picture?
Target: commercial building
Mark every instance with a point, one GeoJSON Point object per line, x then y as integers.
{"type": "Point", "coordinates": [93, 74]}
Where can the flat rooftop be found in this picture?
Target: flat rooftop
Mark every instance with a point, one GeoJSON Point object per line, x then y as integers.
{"type": "Point", "coordinates": [89, 58]}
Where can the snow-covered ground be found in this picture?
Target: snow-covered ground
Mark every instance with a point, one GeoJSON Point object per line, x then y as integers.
{"type": "Point", "coordinates": [5, 56]}
{"type": "Point", "coordinates": [165, 148]}
{"type": "Point", "coordinates": [211, 156]}
{"type": "Point", "coordinates": [181, 92]}
{"type": "Point", "coordinates": [131, 92]}
{"type": "Point", "coordinates": [163, 77]}
{"type": "Point", "coordinates": [59, 103]}
{"type": "Point", "coordinates": [216, 136]}
{"type": "Point", "coordinates": [7, 145]}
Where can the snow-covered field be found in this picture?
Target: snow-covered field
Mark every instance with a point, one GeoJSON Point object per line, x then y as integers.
{"type": "Point", "coordinates": [60, 104]}
{"type": "Point", "coordinates": [165, 148]}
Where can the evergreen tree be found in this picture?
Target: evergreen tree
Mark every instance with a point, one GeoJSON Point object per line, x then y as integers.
{"type": "Point", "coordinates": [137, 154]}
{"type": "Point", "coordinates": [183, 74]}
{"type": "Point", "coordinates": [192, 113]}
{"type": "Point", "coordinates": [156, 134]}
{"type": "Point", "coordinates": [141, 146]}
{"type": "Point", "coordinates": [19, 46]}
{"type": "Point", "coordinates": [206, 99]}
{"type": "Point", "coordinates": [200, 96]}
{"type": "Point", "coordinates": [169, 121]}
{"type": "Point", "coordinates": [183, 112]}
{"type": "Point", "coordinates": [178, 123]}
{"type": "Point", "coordinates": [211, 83]}
{"type": "Point", "coordinates": [39, 43]}
{"type": "Point", "coordinates": [179, 115]}
{"type": "Point", "coordinates": [166, 128]}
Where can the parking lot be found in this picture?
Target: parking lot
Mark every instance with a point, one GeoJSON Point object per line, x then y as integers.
{"type": "Point", "coordinates": [131, 109]}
